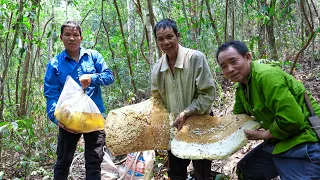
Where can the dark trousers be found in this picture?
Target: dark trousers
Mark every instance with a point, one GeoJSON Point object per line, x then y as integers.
{"type": "Point", "coordinates": [67, 144]}
{"type": "Point", "coordinates": [178, 168]}
{"type": "Point", "coordinates": [300, 162]}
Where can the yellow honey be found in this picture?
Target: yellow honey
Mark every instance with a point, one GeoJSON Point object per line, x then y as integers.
{"type": "Point", "coordinates": [80, 122]}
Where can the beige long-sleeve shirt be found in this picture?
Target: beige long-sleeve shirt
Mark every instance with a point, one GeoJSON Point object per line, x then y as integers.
{"type": "Point", "coordinates": [190, 89]}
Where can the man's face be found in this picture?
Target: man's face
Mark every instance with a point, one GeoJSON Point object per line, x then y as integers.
{"type": "Point", "coordinates": [234, 66]}
{"type": "Point", "coordinates": [167, 40]}
{"type": "Point", "coordinates": [71, 39]}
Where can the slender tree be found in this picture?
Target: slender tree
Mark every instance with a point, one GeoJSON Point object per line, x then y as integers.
{"type": "Point", "coordinates": [311, 36]}
{"type": "Point", "coordinates": [126, 48]}
{"type": "Point", "coordinates": [270, 30]}
{"type": "Point", "coordinates": [214, 27]}
{"type": "Point", "coordinates": [262, 33]}
{"type": "Point", "coordinates": [8, 55]}
{"type": "Point", "coordinates": [226, 21]}
{"type": "Point", "coordinates": [105, 26]}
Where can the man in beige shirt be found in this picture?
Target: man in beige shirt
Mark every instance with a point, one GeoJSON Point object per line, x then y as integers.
{"type": "Point", "coordinates": [182, 79]}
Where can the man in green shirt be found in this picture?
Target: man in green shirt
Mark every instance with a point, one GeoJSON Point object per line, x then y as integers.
{"type": "Point", "coordinates": [182, 79]}
{"type": "Point", "coordinates": [276, 99]}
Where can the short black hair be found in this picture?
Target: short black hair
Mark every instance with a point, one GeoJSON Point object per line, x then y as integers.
{"type": "Point", "coordinates": [165, 23]}
{"type": "Point", "coordinates": [241, 47]}
{"type": "Point", "coordinates": [72, 24]}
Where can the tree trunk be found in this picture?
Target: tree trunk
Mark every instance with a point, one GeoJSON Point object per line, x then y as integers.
{"type": "Point", "coordinates": [66, 9]}
{"type": "Point", "coordinates": [302, 27]}
{"type": "Point", "coordinates": [131, 23]}
{"type": "Point", "coordinates": [7, 57]}
{"type": "Point", "coordinates": [126, 49]}
{"type": "Point", "coordinates": [270, 32]}
{"type": "Point", "coordinates": [151, 14]}
{"type": "Point", "coordinates": [144, 31]}
{"type": "Point", "coordinates": [152, 20]}
{"type": "Point", "coordinates": [233, 19]}
{"type": "Point", "coordinates": [226, 22]}
{"type": "Point", "coordinates": [114, 69]}
{"type": "Point", "coordinates": [22, 50]}
{"type": "Point", "coordinates": [152, 43]}
{"type": "Point", "coordinates": [200, 18]}
{"type": "Point", "coordinates": [8, 54]}
{"type": "Point", "coordinates": [214, 28]}
{"type": "Point", "coordinates": [315, 10]}
{"type": "Point", "coordinates": [36, 59]}
{"type": "Point", "coordinates": [25, 74]}
{"type": "Point", "coordinates": [261, 40]}
{"type": "Point", "coordinates": [193, 19]}
{"type": "Point", "coordinates": [50, 39]}
{"type": "Point", "coordinates": [311, 27]}
{"type": "Point", "coordinates": [185, 13]}
{"type": "Point", "coordinates": [311, 36]}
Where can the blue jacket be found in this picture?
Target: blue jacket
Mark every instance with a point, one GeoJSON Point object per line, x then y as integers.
{"type": "Point", "coordinates": [90, 62]}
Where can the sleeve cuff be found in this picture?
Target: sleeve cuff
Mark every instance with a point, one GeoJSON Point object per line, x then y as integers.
{"type": "Point", "coordinates": [187, 112]}
{"type": "Point", "coordinates": [277, 132]}
{"type": "Point", "coordinates": [54, 120]}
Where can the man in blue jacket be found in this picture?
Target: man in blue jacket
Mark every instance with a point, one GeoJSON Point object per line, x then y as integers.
{"type": "Point", "coordinates": [88, 69]}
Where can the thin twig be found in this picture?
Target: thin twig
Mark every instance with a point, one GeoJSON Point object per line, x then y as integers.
{"type": "Point", "coordinates": [86, 15]}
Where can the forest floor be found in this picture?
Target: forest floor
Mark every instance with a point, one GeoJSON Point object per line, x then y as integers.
{"type": "Point", "coordinates": [310, 76]}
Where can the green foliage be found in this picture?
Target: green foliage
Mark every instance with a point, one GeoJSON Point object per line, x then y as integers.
{"type": "Point", "coordinates": [21, 136]}
{"type": "Point", "coordinates": [281, 64]}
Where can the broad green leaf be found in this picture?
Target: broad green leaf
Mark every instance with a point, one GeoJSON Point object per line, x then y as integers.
{"type": "Point", "coordinates": [3, 123]}
{"type": "Point", "coordinates": [27, 24]}
{"type": "Point", "coordinates": [248, 2]}
{"type": "Point", "coordinates": [49, 34]}
{"type": "Point", "coordinates": [271, 11]}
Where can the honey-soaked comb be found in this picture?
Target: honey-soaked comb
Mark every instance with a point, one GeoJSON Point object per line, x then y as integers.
{"type": "Point", "coordinates": [138, 127]}
{"type": "Point", "coordinates": [207, 137]}
{"type": "Point", "coordinates": [206, 129]}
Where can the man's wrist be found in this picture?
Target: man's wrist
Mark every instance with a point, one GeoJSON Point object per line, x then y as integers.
{"type": "Point", "coordinates": [187, 112]}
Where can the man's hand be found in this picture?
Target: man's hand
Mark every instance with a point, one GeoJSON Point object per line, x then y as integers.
{"type": "Point", "coordinates": [62, 126]}
{"type": "Point", "coordinates": [258, 134]}
{"type": "Point", "coordinates": [85, 80]}
{"type": "Point", "coordinates": [180, 119]}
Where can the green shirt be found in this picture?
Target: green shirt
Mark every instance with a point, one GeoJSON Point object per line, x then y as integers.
{"type": "Point", "coordinates": [276, 100]}
{"type": "Point", "coordinates": [190, 88]}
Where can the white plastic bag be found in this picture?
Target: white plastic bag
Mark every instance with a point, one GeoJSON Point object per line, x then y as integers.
{"type": "Point", "coordinates": [109, 171]}
{"type": "Point", "coordinates": [76, 110]}
{"type": "Point", "coordinates": [138, 166]}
